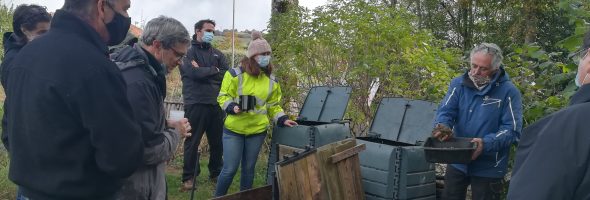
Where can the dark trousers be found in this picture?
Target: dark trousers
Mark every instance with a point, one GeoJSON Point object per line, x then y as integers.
{"type": "Point", "coordinates": [207, 119]}
{"type": "Point", "coordinates": [482, 188]}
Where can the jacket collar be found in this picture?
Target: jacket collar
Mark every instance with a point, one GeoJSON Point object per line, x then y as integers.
{"type": "Point", "coordinates": [151, 60]}
{"type": "Point", "coordinates": [581, 96]}
{"type": "Point", "coordinates": [200, 45]}
{"type": "Point", "coordinates": [68, 22]}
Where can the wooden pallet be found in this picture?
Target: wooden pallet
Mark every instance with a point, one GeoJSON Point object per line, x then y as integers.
{"type": "Point", "coordinates": [261, 193]}
{"type": "Point", "coordinates": [329, 172]}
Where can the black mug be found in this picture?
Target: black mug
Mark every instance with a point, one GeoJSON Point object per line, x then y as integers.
{"type": "Point", "coordinates": [247, 103]}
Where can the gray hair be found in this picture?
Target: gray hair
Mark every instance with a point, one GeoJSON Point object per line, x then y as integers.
{"type": "Point", "coordinates": [490, 49]}
{"type": "Point", "coordinates": [167, 30]}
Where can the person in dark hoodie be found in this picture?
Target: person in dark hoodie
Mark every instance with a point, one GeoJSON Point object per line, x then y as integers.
{"type": "Point", "coordinates": [71, 131]}
{"type": "Point", "coordinates": [28, 22]}
{"type": "Point", "coordinates": [482, 104]}
{"type": "Point", "coordinates": [553, 156]}
{"type": "Point", "coordinates": [144, 66]}
{"type": "Point", "coordinates": [202, 72]}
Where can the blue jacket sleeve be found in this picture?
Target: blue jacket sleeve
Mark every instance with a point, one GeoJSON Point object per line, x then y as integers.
{"type": "Point", "coordinates": [449, 107]}
{"type": "Point", "coordinates": [510, 124]}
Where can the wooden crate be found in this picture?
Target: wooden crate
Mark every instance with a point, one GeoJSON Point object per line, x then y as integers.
{"type": "Point", "coordinates": [340, 169]}
{"type": "Point", "coordinates": [329, 172]}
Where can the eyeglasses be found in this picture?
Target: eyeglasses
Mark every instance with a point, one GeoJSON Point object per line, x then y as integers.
{"type": "Point", "coordinates": [579, 55]}
{"type": "Point", "coordinates": [178, 55]}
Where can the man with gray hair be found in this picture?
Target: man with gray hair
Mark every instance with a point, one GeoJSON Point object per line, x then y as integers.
{"type": "Point", "coordinates": [71, 129]}
{"type": "Point", "coordinates": [482, 104]}
{"type": "Point", "coordinates": [163, 44]}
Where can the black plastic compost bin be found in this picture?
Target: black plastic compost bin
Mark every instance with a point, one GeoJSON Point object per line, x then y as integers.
{"type": "Point", "coordinates": [320, 123]}
{"type": "Point", "coordinates": [456, 150]}
{"type": "Point", "coordinates": [393, 165]}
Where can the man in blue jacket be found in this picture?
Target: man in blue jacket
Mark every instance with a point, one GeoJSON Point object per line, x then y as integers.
{"type": "Point", "coordinates": [482, 104]}
{"type": "Point", "coordinates": [553, 157]}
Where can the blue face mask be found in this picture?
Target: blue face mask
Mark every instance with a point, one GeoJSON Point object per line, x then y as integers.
{"type": "Point", "coordinates": [578, 80]}
{"type": "Point", "coordinates": [263, 61]}
{"type": "Point", "coordinates": [578, 75]}
{"type": "Point", "coordinates": [208, 37]}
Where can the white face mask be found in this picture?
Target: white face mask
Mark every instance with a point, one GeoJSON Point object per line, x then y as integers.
{"type": "Point", "coordinates": [580, 69]}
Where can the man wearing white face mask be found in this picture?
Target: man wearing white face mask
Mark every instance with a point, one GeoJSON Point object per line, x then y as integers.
{"type": "Point", "coordinates": [482, 104]}
{"type": "Point", "coordinates": [553, 157]}
{"type": "Point", "coordinates": [202, 72]}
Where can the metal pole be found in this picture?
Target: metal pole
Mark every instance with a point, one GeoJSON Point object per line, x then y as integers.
{"type": "Point", "coordinates": [233, 36]}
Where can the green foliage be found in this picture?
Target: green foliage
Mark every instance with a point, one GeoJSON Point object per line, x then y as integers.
{"type": "Point", "coordinates": [356, 43]}
{"type": "Point", "coordinates": [544, 79]}
{"type": "Point", "coordinates": [5, 23]}
{"type": "Point", "coordinates": [239, 54]}
{"type": "Point", "coordinates": [464, 23]}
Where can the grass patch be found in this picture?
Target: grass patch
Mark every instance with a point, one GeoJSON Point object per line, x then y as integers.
{"type": "Point", "coordinates": [7, 188]}
{"type": "Point", "coordinates": [206, 188]}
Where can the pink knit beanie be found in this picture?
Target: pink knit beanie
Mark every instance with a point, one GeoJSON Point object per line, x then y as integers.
{"type": "Point", "coordinates": [258, 45]}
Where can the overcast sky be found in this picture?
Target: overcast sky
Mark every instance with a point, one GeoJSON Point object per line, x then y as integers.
{"type": "Point", "coordinates": [250, 14]}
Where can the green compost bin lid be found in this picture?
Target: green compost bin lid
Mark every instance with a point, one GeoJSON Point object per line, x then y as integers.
{"type": "Point", "coordinates": [403, 120]}
{"type": "Point", "coordinates": [325, 104]}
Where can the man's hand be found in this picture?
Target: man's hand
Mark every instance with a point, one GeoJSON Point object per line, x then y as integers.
{"type": "Point", "coordinates": [290, 123]}
{"type": "Point", "coordinates": [478, 149]}
{"type": "Point", "coordinates": [442, 132]}
{"type": "Point", "coordinates": [195, 64]}
{"type": "Point", "coordinates": [182, 126]}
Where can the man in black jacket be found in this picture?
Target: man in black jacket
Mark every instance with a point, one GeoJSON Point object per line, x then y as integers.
{"type": "Point", "coordinates": [202, 72]}
{"type": "Point", "coordinates": [71, 129]}
{"type": "Point", "coordinates": [164, 42]}
{"type": "Point", "coordinates": [553, 156]}
{"type": "Point", "coordinates": [28, 23]}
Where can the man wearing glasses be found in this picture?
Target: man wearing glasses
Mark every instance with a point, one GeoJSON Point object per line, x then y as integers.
{"type": "Point", "coordinates": [482, 104]}
{"type": "Point", "coordinates": [202, 72]}
{"type": "Point", "coordinates": [144, 67]}
{"type": "Point", "coordinates": [553, 157]}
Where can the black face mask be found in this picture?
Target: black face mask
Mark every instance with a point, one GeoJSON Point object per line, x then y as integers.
{"type": "Point", "coordinates": [118, 28]}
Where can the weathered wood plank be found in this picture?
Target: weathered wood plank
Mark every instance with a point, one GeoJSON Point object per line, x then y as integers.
{"type": "Point", "coordinates": [302, 177]}
{"type": "Point", "coordinates": [329, 172]}
{"type": "Point", "coordinates": [356, 171]}
{"type": "Point", "coordinates": [261, 193]}
{"type": "Point", "coordinates": [346, 178]}
{"type": "Point", "coordinates": [347, 153]}
{"type": "Point", "coordinates": [288, 183]}
{"type": "Point", "coordinates": [314, 177]}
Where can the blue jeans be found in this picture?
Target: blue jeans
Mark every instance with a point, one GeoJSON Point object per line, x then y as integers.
{"type": "Point", "coordinates": [238, 148]}
{"type": "Point", "coordinates": [19, 195]}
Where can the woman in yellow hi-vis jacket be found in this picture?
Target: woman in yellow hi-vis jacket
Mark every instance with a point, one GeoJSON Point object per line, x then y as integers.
{"type": "Point", "coordinates": [245, 128]}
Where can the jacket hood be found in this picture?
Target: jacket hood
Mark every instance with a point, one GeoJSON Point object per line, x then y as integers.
{"type": "Point", "coordinates": [11, 42]}
{"type": "Point", "coordinates": [582, 95]}
{"type": "Point", "coordinates": [500, 77]}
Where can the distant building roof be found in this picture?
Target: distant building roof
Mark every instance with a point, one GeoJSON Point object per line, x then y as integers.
{"type": "Point", "coordinates": [135, 31]}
